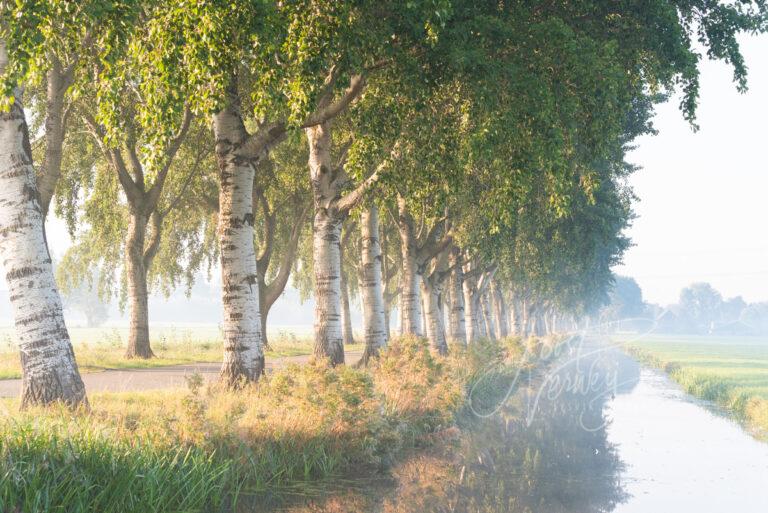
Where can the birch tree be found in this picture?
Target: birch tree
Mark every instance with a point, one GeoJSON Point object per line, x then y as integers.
{"type": "Point", "coordinates": [49, 370]}
{"type": "Point", "coordinates": [371, 284]}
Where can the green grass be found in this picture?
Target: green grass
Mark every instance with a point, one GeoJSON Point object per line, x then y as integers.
{"type": "Point", "coordinates": [206, 449]}
{"type": "Point", "coordinates": [730, 371]}
{"type": "Point", "coordinates": [97, 349]}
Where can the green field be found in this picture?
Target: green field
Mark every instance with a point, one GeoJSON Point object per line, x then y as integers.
{"type": "Point", "coordinates": [731, 371]}
{"type": "Point", "coordinates": [97, 349]}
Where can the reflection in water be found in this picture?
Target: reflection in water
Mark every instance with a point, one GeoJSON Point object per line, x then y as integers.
{"type": "Point", "coordinates": [545, 450]}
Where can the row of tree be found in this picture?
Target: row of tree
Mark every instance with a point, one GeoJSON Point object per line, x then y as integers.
{"type": "Point", "coordinates": [465, 159]}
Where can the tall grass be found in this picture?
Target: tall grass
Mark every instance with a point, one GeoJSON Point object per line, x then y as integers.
{"type": "Point", "coordinates": [72, 465]}
{"type": "Point", "coordinates": [204, 448]}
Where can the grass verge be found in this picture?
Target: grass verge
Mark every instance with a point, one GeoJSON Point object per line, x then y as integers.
{"type": "Point", "coordinates": [204, 449]}
{"type": "Point", "coordinates": [741, 398]}
{"type": "Point", "coordinates": [174, 347]}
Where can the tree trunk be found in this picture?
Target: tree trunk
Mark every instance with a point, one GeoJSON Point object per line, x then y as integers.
{"type": "Point", "coordinates": [485, 302]}
{"type": "Point", "coordinates": [49, 370]}
{"type": "Point", "coordinates": [329, 342]}
{"type": "Point", "coordinates": [270, 292]}
{"type": "Point", "coordinates": [374, 316]}
{"type": "Point", "coordinates": [326, 233]}
{"type": "Point", "coordinates": [434, 318]}
{"type": "Point", "coordinates": [472, 311]}
{"type": "Point", "coordinates": [138, 295]}
{"type": "Point", "coordinates": [243, 337]}
{"type": "Point", "coordinates": [457, 332]}
{"type": "Point", "coordinates": [525, 314]}
{"type": "Point", "coordinates": [347, 334]}
{"type": "Point", "coordinates": [514, 316]}
{"type": "Point", "coordinates": [499, 311]}
{"type": "Point", "coordinates": [410, 301]}
{"type": "Point", "coordinates": [264, 314]}
{"type": "Point", "coordinates": [56, 85]}
{"type": "Point", "coordinates": [387, 322]}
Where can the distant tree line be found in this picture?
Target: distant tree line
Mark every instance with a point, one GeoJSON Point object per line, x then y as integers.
{"type": "Point", "coordinates": [700, 310]}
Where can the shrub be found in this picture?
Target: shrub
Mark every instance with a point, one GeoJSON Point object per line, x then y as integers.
{"type": "Point", "coordinates": [416, 388]}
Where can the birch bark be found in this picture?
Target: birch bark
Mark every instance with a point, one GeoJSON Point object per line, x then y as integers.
{"type": "Point", "coordinates": [243, 339]}
{"type": "Point", "coordinates": [500, 315]}
{"type": "Point", "coordinates": [485, 304]}
{"type": "Point", "coordinates": [49, 370]}
{"type": "Point", "coordinates": [371, 287]}
{"type": "Point", "coordinates": [457, 332]}
{"type": "Point", "coordinates": [326, 245]}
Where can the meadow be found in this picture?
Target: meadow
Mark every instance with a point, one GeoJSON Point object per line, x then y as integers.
{"type": "Point", "coordinates": [97, 349]}
{"type": "Point", "coordinates": [731, 371]}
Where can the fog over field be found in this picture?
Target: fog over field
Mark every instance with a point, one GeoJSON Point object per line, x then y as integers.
{"type": "Point", "coordinates": [702, 199]}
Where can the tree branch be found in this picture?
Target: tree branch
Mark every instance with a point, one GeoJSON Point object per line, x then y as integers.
{"type": "Point", "coordinates": [356, 196]}
{"type": "Point", "coordinates": [262, 261]}
{"type": "Point", "coordinates": [132, 191]}
{"type": "Point", "coordinates": [154, 241]}
{"type": "Point", "coordinates": [330, 111]}
{"type": "Point", "coordinates": [260, 142]}
{"type": "Point", "coordinates": [277, 286]}
{"type": "Point", "coordinates": [170, 154]}
{"type": "Point", "coordinates": [185, 185]}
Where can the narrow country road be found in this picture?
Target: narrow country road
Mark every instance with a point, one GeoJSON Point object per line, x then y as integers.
{"type": "Point", "coordinates": [126, 380]}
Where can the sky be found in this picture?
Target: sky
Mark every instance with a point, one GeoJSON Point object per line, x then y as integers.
{"type": "Point", "coordinates": [703, 209]}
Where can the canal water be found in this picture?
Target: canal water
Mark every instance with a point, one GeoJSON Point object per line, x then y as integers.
{"type": "Point", "coordinates": [594, 433]}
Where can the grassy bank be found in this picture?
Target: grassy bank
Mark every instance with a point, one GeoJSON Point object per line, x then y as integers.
{"type": "Point", "coordinates": [204, 449]}
{"type": "Point", "coordinates": [729, 371]}
{"type": "Point", "coordinates": [104, 348]}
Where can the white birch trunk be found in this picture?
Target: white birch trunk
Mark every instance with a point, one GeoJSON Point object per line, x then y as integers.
{"type": "Point", "coordinates": [500, 315]}
{"type": "Point", "coordinates": [347, 335]}
{"type": "Point", "coordinates": [485, 303]}
{"type": "Point", "coordinates": [457, 331]}
{"type": "Point", "coordinates": [326, 246]}
{"type": "Point", "coordinates": [329, 341]}
{"type": "Point", "coordinates": [243, 340]}
{"type": "Point", "coordinates": [49, 371]}
{"type": "Point", "coordinates": [472, 307]}
{"type": "Point", "coordinates": [433, 317]}
{"type": "Point", "coordinates": [410, 301]}
{"type": "Point", "coordinates": [374, 317]}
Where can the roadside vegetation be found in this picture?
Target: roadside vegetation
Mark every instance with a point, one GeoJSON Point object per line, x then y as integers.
{"type": "Point", "coordinates": [729, 371]}
{"type": "Point", "coordinates": [206, 448]}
